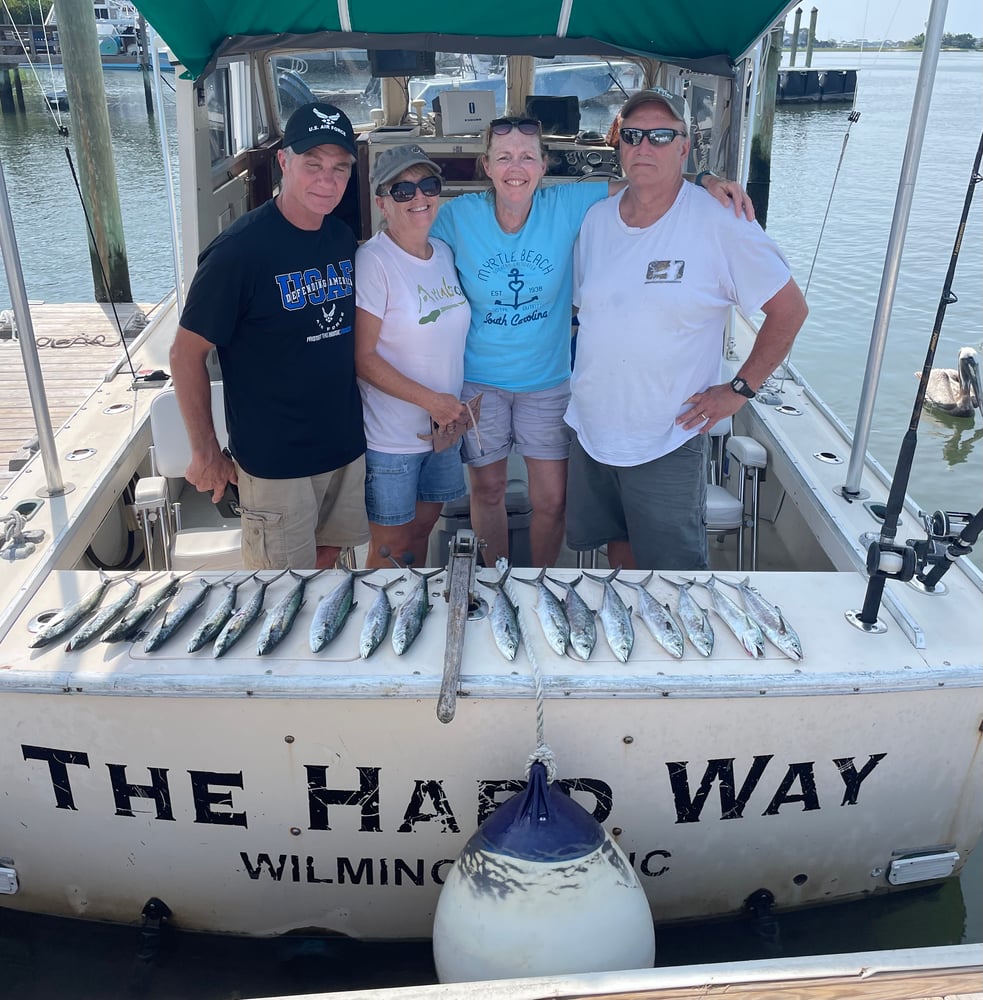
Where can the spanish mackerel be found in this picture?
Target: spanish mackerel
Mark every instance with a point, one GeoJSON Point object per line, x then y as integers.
{"type": "Point", "coordinates": [615, 617]}
{"type": "Point", "coordinates": [127, 627]}
{"type": "Point", "coordinates": [72, 614]}
{"type": "Point", "coordinates": [694, 617]}
{"type": "Point", "coordinates": [106, 616]}
{"type": "Point", "coordinates": [173, 620]}
{"type": "Point", "coordinates": [215, 622]}
{"type": "Point", "coordinates": [552, 617]}
{"type": "Point", "coordinates": [736, 618]}
{"type": "Point", "coordinates": [234, 629]}
{"type": "Point", "coordinates": [333, 610]}
{"type": "Point", "coordinates": [412, 612]}
{"type": "Point", "coordinates": [504, 617]}
{"type": "Point", "coordinates": [377, 618]}
{"type": "Point", "coordinates": [582, 619]}
{"type": "Point", "coordinates": [770, 619]}
{"type": "Point", "coordinates": [280, 617]}
{"type": "Point", "coordinates": [657, 618]}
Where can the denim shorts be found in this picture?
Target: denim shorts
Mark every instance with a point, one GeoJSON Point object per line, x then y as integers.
{"type": "Point", "coordinates": [395, 484]}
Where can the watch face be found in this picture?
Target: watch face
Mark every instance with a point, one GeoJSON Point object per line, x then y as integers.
{"type": "Point", "coordinates": [742, 388]}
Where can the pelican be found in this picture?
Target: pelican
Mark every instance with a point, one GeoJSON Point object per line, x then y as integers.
{"type": "Point", "coordinates": [956, 391]}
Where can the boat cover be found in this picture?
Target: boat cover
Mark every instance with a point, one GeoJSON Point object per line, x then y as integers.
{"type": "Point", "coordinates": [709, 36]}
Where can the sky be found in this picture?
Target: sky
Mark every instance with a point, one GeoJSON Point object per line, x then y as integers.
{"type": "Point", "coordinates": [880, 19]}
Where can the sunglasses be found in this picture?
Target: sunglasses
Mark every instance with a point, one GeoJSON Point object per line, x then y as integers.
{"type": "Point", "coordinates": [527, 126]}
{"type": "Point", "coordinates": [656, 136]}
{"type": "Point", "coordinates": [406, 190]}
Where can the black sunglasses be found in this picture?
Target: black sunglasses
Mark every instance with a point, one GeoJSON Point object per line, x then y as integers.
{"type": "Point", "coordinates": [527, 126]}
{"type": "Point", "coordinates": [406, 190]}
{"type": "Point", "coordinates": [656, 136]}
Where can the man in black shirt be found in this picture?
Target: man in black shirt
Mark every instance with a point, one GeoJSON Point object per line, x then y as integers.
{"type": "Point", "coordinates": [275, 294]}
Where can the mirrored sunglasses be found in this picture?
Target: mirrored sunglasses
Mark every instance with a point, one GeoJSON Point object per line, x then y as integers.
{"type": "Point", "coordinates": [406, 190]}
{"type": "Point", "coordinates": [656, 136]}
{"type": "Point", "coordinates": [527, 126]}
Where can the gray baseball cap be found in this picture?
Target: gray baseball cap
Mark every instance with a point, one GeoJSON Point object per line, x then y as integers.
{"type": "Point", "coordinates": [678, 105]}
{"type": "Point", "coordinates": [393, 161]}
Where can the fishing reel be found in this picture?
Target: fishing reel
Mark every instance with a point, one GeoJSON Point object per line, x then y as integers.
{"type": "Point", "coordinates": [944, 530]}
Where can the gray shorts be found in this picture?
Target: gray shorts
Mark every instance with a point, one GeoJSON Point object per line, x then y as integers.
{"type": "Point", "coordinates": [284, 520]}
{"type": "Point", "coordinates": [531, 422]}
{"type": "Point", "coordinates": [659, 507]}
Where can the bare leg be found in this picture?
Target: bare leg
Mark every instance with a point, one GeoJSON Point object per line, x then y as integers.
{"type": "Point", "coordinates": [620, 554]}
{"type": "Point", "coordinates": [488, 516]}
{"type": "Point", "coordinates": [402, 540]}
{"type": "Point", "coordinates": [548, 496]}
{"type": "Point", "coordinates": [327, 556]}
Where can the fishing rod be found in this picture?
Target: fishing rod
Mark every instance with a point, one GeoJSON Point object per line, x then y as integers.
{"type": "Point", "coordinates": [885, 559]}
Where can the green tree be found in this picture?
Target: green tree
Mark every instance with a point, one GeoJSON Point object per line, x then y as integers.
{"type": "Point", "coordinates": [27, 11]}
{"type": "Point", "coordinates": [963, 41]}
{"type": "Point", "coordinates": [918, 41]}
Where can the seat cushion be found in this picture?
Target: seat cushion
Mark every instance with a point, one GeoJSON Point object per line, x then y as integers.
{"type": "Point", "coordinates": [724, 511]}
{"type": "Point", "coordinates": [207, 548]}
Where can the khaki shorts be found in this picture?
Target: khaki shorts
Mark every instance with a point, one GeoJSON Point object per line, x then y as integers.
{"type": "Point", "coordinates": [284, 520]}
{"type": "Point", "coordinates": [530, 422]}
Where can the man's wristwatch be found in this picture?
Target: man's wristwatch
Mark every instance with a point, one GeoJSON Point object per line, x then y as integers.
{"type": "Point", "coordinates": [740, 386]}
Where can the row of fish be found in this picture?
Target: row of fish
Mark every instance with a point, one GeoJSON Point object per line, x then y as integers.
{"type": "Point", "coordinates": [122, 620]}
{"type": "Point", "coordinates": [567, 624]}
{"type": "Point", "coordinates": [571, 623]}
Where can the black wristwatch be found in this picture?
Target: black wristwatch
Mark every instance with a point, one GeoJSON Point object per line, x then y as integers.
{"type": "Point", "coordinates": [740, 386]}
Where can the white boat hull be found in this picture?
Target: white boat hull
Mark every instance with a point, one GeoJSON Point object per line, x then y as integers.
{"type": "Point", "coordinates": [261, 795]}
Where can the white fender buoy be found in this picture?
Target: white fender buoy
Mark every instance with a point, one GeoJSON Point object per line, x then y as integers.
{"type": "Point", "coordinates": [540, 889]}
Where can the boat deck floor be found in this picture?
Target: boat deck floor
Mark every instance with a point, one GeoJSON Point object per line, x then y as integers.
{"type": "Point", "coordinates": [78, 342]}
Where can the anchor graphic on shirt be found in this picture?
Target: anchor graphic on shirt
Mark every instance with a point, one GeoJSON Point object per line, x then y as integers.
{"type": "Point", "coordinates": [515, 286]}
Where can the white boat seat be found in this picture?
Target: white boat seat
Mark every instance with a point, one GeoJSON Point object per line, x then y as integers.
{"type": "Point", "coordinates": [206, 548]}
{"type": "Point", "coordinates": [725, 512]}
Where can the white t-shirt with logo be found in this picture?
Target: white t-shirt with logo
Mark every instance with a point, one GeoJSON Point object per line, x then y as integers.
{"type": "Point", "coordinates": [425, 319]}
{"type": "Point", "coordinates": [653, 306]}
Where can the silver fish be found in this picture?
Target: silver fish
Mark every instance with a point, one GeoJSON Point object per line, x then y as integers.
{"type": "Point", "coordinates": [173, 620]}
{"type": "Point", "coordinates": [127, 628]}
{"type": "Point", "coordinates": [552, 617]}
{"type": "Point", "coordinates": [333, 610]}
{"type": "Point", "coordinates": [770, 619]}
{"type": "Point", "coordinates": [615, 617]}
{"type": "Point", "coordinates": [583, 624]}
{"type": "Point", "coordinates": [503, 617]}
{"type": "Point", "coordinates": [234, 629]}
{"type": "Point", "coordinates": [214, 623]}
{"type": "Point", "coordinates": [280, 618]}
{"type": "Point", "coordinates": [377, 618]}
{"type": "Point", "coordinates": [694, 617]}
{"type": "Point", "coordinates": [72, 614]}
{"type": "Point", "coordinates": [737, 619]}
{"type": "Point", "coordinates": [106, 616]}
{"type": "Point", "coordinates": [657, 618]}
{"type": "Point", "coordinates": [412, 612]}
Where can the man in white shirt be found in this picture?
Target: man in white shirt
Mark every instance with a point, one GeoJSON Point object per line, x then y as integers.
{"type": "Point", "coordinates": [656, 270]}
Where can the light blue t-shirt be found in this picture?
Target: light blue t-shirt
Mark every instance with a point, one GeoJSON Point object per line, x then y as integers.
{"type": "Point", "coordinates": [520, 285]}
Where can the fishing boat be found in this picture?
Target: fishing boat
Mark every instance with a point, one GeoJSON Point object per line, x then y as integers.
{"type": "Point", "coordinates": [330, 792]}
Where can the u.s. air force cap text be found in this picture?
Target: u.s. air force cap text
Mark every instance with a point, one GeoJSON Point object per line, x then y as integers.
{"type": "Point", "coordinates": [318, 124]}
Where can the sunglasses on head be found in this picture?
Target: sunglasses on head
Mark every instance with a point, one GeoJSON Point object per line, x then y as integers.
{"type": "Point", "coordinates": [406, 190]}
{"type": "Point", "coordinates": [527, 126]}
{"type": "Point", "coordinates": [656, 136]}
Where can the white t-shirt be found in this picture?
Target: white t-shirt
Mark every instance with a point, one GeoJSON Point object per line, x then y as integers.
{"type": "Point", "coordinates": [653, 305]}
{"type": "Point", "coordinates": [425, 319]}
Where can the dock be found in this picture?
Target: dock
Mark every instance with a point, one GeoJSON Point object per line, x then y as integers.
{"type": "Point", "coordinates": [78, 343]}
{"type": "Point", "coordinates": [804, 85]}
